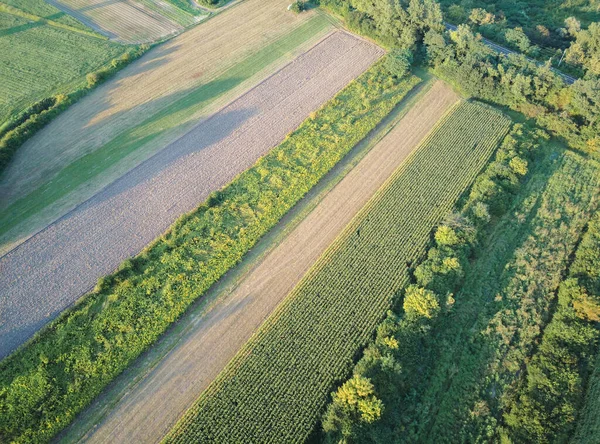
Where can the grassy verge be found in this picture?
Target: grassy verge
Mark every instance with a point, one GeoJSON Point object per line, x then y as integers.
{"type": "Point", "coordinates": [276, 386]}
{"type": "Point", "coordinates": [176, 114]}
{"type": "Point", "coordinates": [69, 362]}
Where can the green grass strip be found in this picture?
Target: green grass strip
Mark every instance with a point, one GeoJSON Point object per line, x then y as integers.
{"type": "Point", "coordinates": [276, 387]}
{"type": "Point", "coordinates": [47, 382]}
{"type": "Point", "coordinates": [177, 113]}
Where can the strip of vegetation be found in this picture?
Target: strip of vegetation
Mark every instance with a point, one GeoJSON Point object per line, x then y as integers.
{"type": "Point", "coordinates": [402, 343]}
{"type": "Point", "coordinates": [277, 385]}
{"type": "Point", "coordinates": [187, 6]}
{"type": "Point", "coordinates": [545, 406]}
{"type": "Point", "coordinates": [47, 382]}
{"type": "Point", "coordinates": [15, 131]}
{"type": "Point", "coordinates": [588, 424]}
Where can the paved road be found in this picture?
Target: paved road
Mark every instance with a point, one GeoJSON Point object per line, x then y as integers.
{"type": "Point", "coordinates": [501, 49]}
{"type": "Point", "coordinates": [50, 271]}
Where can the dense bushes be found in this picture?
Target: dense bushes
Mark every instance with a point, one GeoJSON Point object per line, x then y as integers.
{"type": "Point", "coordinates": [72, 359]}
{"type": "Point", "coordinates": [572, 113]}
{"type": "Point", "coordinates": [17, 130]}
{"type": "Point", "coordinates": [545, 406]}
{"type": "Point", "coordinates": [398, 351]}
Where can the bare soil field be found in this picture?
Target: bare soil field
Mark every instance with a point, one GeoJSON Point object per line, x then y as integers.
{"type": "Point", "coordinates": [126, 21]}
{"type": "Point", "coordinates": [215, 336]}
{"type": "Point", "coordinates": [50, 271]}
{"type": "Point", "coordinates": [163, 78]}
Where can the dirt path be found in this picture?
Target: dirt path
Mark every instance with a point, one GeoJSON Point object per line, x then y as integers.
{"type": "Point", "coordinates": [50, 271]}
{"type": "Point", "coordinates": [152, 406]}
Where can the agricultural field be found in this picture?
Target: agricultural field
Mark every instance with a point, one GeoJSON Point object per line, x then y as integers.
{"type": "Point", "coordinates": [37, 73]}
{"type": "Point", "coordinates": [180, 377]}
{"type": "Point", "coordinates": [43, 9]}
{"type": "Point", "coordinates": [277, 384]}
{"type": "Point", "coordinates": [129, 21]}
{"type": "Point", "coordinates": [145, 107]}
{"type": "Point", "coordinates": [129, 310]}
{"type": "Point", "coordinates": [236, 136]}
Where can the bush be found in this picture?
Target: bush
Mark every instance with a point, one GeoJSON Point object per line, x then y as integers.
{"type": "Point", "coordinates": [298, 6]}
{"type": "Point", "coordinates": [398, 62]}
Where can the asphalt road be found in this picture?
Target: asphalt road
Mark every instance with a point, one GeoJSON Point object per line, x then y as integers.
{"type": "Point", "coordinates": [49, 272]}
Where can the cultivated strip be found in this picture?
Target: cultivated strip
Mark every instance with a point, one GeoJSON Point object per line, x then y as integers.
{"type": "Point", "coordinates": [181, 376]}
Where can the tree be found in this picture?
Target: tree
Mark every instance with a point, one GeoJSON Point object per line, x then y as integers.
{"type": "Point", "coordinates": [585, 50]}
{"type": "Point", "coordinates": [353, 405]}
{"type": "Point", "coordinates": [419, 302]}
{"type": "Point", "coordinates": [480, 16]}
{"type": "Point", "coordinates": [398, 62]}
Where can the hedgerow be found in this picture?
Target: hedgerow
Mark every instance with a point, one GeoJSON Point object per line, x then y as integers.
{"type": "Point", "coordinates": [47, 382]}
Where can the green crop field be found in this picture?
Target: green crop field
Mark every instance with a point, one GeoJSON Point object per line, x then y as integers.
{"type": "Point", "coordinates": [30, 72]}
{"type": "Point", "coordinates": [44, 10]}
{"type": "Point", "coordinates": [275, 388]}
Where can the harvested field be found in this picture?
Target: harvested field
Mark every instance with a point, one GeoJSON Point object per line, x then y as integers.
{"type": "Point", "coordinates": [178, 380]}
{"type": "Point", "coordinates": [127, 21]}
{"type": "Point", "coordinates": [146, 106]}
{"type": "Point", "coordinates": [66, 259]}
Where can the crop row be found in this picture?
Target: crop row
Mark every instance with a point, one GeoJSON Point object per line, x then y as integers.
{"type": "Point", "coordinates": [277, 385]}
{"type": "Point", "coordinates": [78, 354]}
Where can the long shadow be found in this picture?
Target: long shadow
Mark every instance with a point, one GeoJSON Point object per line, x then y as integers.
{"type": "Point", "coordinates": [20, 28]}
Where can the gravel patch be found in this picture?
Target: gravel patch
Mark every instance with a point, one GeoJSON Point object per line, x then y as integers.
{"type": "Point", "coordinates": [49, 272]}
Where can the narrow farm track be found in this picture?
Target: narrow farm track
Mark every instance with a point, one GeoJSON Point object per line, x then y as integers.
{"type": "Point", "coordinates": [178, 380]}
{"type": "Point", "coordinates": [50, 271]}
{"type": "Point", "coordinates": [126, 21]}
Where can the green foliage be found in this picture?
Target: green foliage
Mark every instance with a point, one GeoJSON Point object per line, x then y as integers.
{"type": "Point", "coordinates": [401, 25]}
{"type": "Point", "coordinates": [276, 387]}
{"type": "Point", "coordinates": [572, 113]}
{"type": "Point", "coordinates": [546, 404]}
{"type": "Point", "coordinates": [298, 6]}
{"type": "Point", "coordinates": [420, 302]}
{"type": "Point", "coordinates": [414, 338]}
{"type": "Point", "coordinates": [399, 62]}
{"type": "Point", "coordinates": [585, 50]}
{"type": "Point", "coordinates": [541, 20]}
{"type": "Point", "coordinates": [353, 404]}
{"type": "Point", "coordinates": [78, 354]}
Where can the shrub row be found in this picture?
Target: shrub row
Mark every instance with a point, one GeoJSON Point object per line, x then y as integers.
{"type": "Point", "coordinates": [47, 382]}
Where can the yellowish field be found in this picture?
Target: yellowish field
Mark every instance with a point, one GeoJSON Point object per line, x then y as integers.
{"type": "Point", "coordinates": [43, 182]}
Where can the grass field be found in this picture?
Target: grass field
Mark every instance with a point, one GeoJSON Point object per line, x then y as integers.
{"type": "Point", "coordinates": [37, 73]}
{"type": "Point", "coordinates": [112, 326]}
{"type": "Point", "coordinates": [150, 104]}
{"type": "Point", "coordinates": [46, 11]}
{"type": "Point", "coordinates": [278, 383]}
